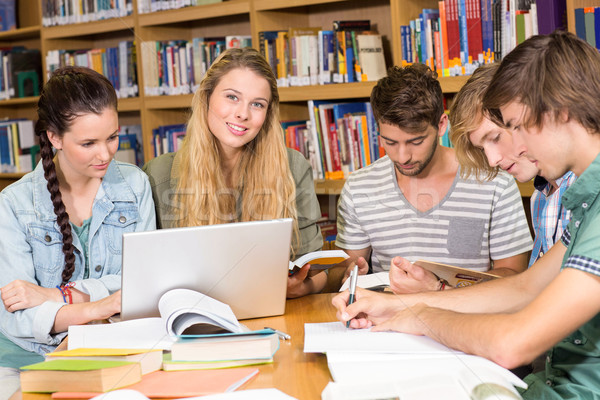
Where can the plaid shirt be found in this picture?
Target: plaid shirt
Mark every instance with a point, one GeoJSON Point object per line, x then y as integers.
{"type": "Point", "coordinates": [548, 215]}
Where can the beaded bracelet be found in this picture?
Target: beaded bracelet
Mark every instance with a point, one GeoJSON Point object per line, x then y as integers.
{"type": "Point", "coordinates": [65, 290]}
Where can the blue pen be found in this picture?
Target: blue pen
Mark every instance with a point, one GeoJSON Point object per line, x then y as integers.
{"type": "Point", "coordinates": [353, 279]}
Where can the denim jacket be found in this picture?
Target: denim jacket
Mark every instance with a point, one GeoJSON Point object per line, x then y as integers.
{"type": "Point", "coordinates": [31, 245]}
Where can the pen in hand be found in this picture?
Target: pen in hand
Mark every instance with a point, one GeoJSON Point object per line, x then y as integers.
{"type": "Point", "coordinates": [353, 279]}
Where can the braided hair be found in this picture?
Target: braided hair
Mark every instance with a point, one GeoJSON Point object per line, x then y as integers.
{"type": "Point", "coordinates": [69, 93]}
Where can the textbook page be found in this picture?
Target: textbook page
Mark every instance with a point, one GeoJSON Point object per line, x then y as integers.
{"type": "Point", "coordinates": [470, 370]}
{"type": "Point", "coordinates": [144, 333]}
{"type": "Point", "coordinates": [424, 387]}
{"type": "Point", "coordinates": [369, 281]}
{"type": "Point", "coordinates": [183, 308]}
{"type": "Point", "coordinates": [334, 336]}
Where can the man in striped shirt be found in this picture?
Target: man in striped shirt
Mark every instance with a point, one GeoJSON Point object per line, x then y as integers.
{"type": "Point", "coordinates": [414, 203]}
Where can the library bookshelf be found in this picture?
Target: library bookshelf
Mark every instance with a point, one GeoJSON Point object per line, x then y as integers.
{"type": "Point", "coordinates": [230, 17]}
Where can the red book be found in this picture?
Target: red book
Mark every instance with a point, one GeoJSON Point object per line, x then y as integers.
{"type": "Point", "coordinates": [451, 7]}
{"type": "Point", "coordinates": [473, 8]}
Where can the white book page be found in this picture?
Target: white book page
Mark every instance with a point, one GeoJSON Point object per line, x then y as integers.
{"type": "Point", "coordinates": [429, 387]}
{"type": "Point", "coordinates": [199, 309]}
{"type": "Point", "coordinates": [144, 333]}
{"type": "Point", "coordinates": [334, 336]}
{"type": "Point", "coordinates": [470, 369]}
{"type": "Point", "coordinates": [369, 281]}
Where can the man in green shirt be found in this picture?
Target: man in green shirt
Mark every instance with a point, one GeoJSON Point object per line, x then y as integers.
{"type": "Point", "coordinates": [546, 93]}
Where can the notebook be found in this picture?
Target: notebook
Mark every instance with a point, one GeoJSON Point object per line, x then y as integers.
{"type": "Point", "coordinates": [244, 265]}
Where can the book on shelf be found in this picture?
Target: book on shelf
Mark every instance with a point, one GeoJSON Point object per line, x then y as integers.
{"type": "Point", "coordinates": [8, 15]}
{"type": "Point", "coordinates": [64, 12]}
{"type": "Point", "coordinates": [149, 360]}
{"type": "Point", "coordinates": [169, 365]}
{"type": "Point", "coordinates": [372, 60]}
{"type": "Point", "coordinates": [183, 312]}
{"type": "Point", "coordinates": [321, 259]}
{"type": "Point", "coordinates": [130, 145]}
{"type": "Point", "coordinates": [78, 375]}
{"type": "Point", "coordinates": [18, 148]}
{"type": "Point", "coordinates": [177, 384]}
{"type": "Point", "coordinates": [117, 63]}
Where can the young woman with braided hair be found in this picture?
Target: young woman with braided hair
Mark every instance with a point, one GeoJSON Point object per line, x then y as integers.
{"type": "Point", "coordinates": [61, 225]}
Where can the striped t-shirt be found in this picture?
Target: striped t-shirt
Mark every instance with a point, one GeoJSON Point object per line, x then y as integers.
{"type": "Point", "coordinates": [474, 222]}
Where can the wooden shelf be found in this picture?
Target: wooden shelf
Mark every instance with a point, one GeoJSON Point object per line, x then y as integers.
{"type": "Point", "coordinates": [129, 104]}
{"type": "Point", "coordinates": [216, 10]}
{"type": "Point", "coordinates": [168, 102]}
{"type": "Point", "coordinates": [265, 5]}
{"type": "Point", "coordinates": [19, 101]}
{"type": "Point", "coordinates": [30, 32]}
{"type": "Point", "coordinates": [72, 31]}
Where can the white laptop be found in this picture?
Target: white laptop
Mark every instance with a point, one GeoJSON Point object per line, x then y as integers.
{"type": "Point", "coordinates": [244, 265]}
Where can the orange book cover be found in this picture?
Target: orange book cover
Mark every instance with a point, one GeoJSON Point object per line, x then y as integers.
{"type": "Point", "coordinates": [177, 384]}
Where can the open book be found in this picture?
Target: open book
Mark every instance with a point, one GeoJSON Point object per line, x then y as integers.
{"type": "Point", "coordinates": [183, 313]}
{"type": "Point", "coordinates": [321, 259]}
{"type": "Point", "coordinates": [455, 276]}
{"type": "Point", "coordinates": [400, 365]}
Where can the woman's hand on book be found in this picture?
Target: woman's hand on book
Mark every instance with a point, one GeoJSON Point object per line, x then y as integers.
{"type": "Point", "coordinates": [406, 277]}
{"type": "Point", "coordinates": [20, 295]}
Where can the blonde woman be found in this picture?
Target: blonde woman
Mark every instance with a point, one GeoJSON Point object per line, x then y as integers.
{"type": "Point", "coordinates": [234, 166]}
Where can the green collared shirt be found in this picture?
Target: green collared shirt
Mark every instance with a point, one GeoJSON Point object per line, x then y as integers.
{"type": "Point", "coordinates": [163, 172]}
{"type": "Point", "coordinates": [573, 365]}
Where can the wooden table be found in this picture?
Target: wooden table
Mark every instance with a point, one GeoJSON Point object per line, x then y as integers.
{"type": "Point", "coordinates": [303, 376]}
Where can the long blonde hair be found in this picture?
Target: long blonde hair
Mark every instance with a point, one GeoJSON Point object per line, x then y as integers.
{"type": "Point", "coordinates": [265, 182]}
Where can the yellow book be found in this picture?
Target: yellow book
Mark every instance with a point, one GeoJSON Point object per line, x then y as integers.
{"type": "Point", "coordinates": [150, 360]}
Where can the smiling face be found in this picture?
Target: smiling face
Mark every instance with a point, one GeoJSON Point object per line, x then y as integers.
{"type": "Point", "coordinates": [88, 145]}
{"type": "Point", "coordinates": [411, 153]}
{"type": "Point", "coordinates": [497, 144]}
{"type": "Point", "coordinates": [237, 108]}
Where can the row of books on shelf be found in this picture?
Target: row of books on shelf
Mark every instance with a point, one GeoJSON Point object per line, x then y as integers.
{"type": "Point", "coordinates": [64, 12]}
{"type": "Point", "coordinates": [587, 25]}
{"type": "Point", "coordinates": [8, 15]}
{"type": "Point", "coordinates": [176, 67]}
{"type": "Point", "coordinates": [462, 34]}
{"type": "Point", "coordinates": [130, 145]}
{"type": "Point", "coordinates": [350, 52]}
{"type": "Point", "coordinates": [20, 72]}
{"type": "Point", "coordinates": [147, 6]}
{"type": "Point", "coordinates": [18, 147]}
{"type": "Point", "coordinates": [118, 64]}
{"type": "Point", "coordinates": [339, 138]}
{"type": "Point", "coordinates": [19, 150]}
{"type": "Point", "coordinates": [167, 138]}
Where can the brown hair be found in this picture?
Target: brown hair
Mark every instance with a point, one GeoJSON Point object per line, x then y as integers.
{"type": "Point", "coordinates": [69, 93]}
{"type": "Point", "coordinates": [466, 114]}
{"type": "Point", "coordinates": [550, 74]}
{"type": "Point", "coordinates": [409, 98]}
